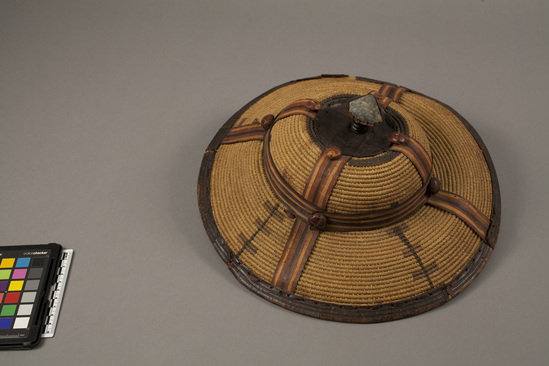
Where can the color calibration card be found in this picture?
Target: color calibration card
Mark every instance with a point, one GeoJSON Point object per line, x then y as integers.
{"type": "Point", "coordinates": [29, 279]}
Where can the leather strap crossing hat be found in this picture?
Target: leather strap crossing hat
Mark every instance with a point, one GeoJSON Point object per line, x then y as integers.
{"type": "Point", "coordinates": [350, 199]}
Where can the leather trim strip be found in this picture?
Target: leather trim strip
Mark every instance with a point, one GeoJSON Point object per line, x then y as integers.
{"type": "Point", "coordinates": [383, 101]}
{"type": "Point", "coordinates": [463, 209]}
{"type": "Point", "coordinates": [249, 132]}
{"type": "Point", "coordinates": [295, 255]}
{"type": "Point", "coordinates": [302, 238]}
{"type": "Point", "coordinates": [389, 93]}
{"type": "Point", "coordinates": [392, 91]}
{"type": "Point", "coordinates": [323, 178]}
{"type": "Point", "coordinates": [417, 155]}
{"type": "Point", "coordinates": [255, 131]}
{"type": "Point", "coordinates": [376, 219]}
{"type": "Point", "coordinates": [303, 208]}
{"type": "Point", "coordinates": [306, 107]}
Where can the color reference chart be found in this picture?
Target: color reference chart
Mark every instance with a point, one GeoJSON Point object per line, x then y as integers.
{"type": "Point", "coordinates": [28, 277]}
{"type": "Point", "coordinates": [20, 278]}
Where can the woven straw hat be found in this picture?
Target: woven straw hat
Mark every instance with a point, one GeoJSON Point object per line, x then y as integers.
{"type": "Point", "coordinates": [350, 199]}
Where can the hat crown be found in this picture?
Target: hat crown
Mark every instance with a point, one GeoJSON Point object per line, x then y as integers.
{"type": "Point", "coordinates": [374, 177]}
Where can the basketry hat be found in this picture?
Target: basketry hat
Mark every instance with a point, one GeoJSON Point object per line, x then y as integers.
{"type": "Point", "coordinates": [350, 199]}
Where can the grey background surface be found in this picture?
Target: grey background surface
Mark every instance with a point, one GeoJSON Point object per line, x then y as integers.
{"type": "Point", "coordinates": [106, 108]}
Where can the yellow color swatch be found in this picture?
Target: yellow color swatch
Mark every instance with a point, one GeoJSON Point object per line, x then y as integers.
{"type": "Point", "coordinates": [7, 262]}
{"type": "Point", "coordinates": [16, 285]}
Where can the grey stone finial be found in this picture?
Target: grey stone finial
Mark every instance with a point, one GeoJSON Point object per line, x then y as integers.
{"type": "Point", "coordinates": [365, 110]}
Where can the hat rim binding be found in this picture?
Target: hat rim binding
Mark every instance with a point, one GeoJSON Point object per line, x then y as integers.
{"type": "Point", "coordinates": [336, 312]}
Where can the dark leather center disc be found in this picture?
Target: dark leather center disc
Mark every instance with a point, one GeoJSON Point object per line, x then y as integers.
{"type": "Point", "coordinates": [333, 127]}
